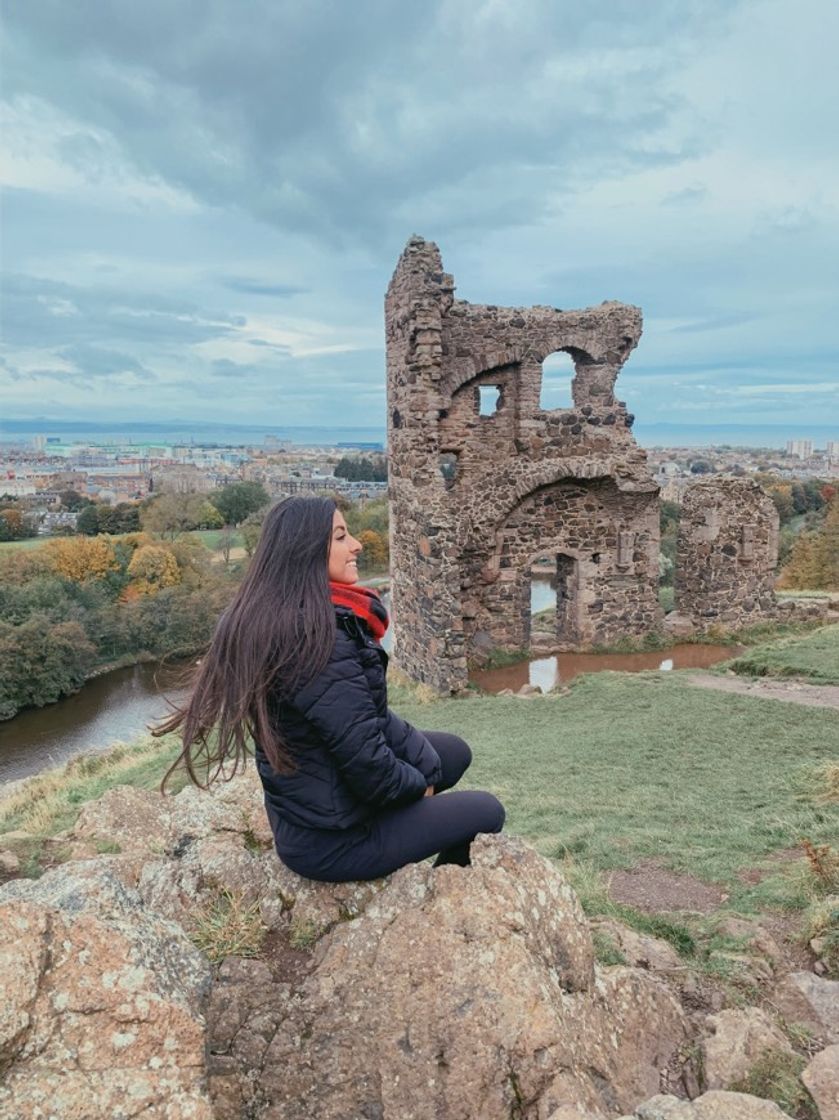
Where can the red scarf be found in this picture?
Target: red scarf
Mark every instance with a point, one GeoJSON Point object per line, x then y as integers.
{"type": "Point", "coordinates": [363, 602]}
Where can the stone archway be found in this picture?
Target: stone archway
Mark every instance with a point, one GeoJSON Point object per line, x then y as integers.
{"type": "Point", "coordinates": [604, 544]}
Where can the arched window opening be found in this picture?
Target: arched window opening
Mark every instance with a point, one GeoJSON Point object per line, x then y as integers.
{"type": "Point", "coordinates": [490, 399]}
{"type": "Point", "coordinates": [557, 374]}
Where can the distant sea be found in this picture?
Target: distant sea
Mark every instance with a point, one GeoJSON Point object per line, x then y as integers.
{"type": "Point", "coordinates": [22, 432]}
{"type": "Point", "coordinates": [181, 432]}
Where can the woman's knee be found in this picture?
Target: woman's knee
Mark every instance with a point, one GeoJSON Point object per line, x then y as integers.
{"type": "Point", "coordinates": [495, 814]}
{"type": "Point", "coordinates": [484, 811]}
{"type": "Point", "coordinates": [455, 755]}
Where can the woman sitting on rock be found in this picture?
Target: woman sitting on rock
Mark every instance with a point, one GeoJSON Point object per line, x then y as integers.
{"type": "Point", "coordinates": [351, 790]}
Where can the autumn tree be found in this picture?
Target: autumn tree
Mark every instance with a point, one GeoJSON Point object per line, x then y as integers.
{"type": "Point", "coordinates": [15, 525]}
{"type": "Point", "coordinates": [814, 560]}
{"type": "Point", "coordinates": [82, 558]}
{"type": "Point", "coordinates": [152, 568]}
{"type": "Point", "coordinates": [375, 554]}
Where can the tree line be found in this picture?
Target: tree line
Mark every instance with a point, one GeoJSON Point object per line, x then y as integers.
{"type": "Point", "coordinates": [167, 513]}
{"type": "Point", "coordinates": [362, 469]}
{"type": "Point", "coordinates": [81, 602]}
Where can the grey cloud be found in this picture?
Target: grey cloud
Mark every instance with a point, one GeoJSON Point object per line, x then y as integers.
{"type": "Point", "coordinates": [685, 197]}
{"type": "Point", "coordinates": [330, 117]}
{"type": "Point", "coordinates": [98, 362]}
{"type": "Point", "coordinates": [59, 314]}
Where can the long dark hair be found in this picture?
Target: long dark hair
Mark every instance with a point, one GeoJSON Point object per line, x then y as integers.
{"type": "Point", "coordinates": [276, 635]}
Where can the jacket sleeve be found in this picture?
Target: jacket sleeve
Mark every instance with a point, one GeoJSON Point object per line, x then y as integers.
{"type": "Point", "coordinates": [411, 745]}
{"type": "Point", "coordinates": [340, 707]}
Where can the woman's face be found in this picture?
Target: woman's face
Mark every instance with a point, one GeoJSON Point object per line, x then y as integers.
{"type": "Point", "coordinates": [343, 552]}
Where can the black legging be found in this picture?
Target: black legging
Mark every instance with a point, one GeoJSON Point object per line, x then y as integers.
{"type": "Point", "coordinates": [446, 824]}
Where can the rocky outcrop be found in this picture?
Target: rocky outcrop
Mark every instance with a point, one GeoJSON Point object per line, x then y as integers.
{"type": "Point", "coordinates": [811, 1001]}
{"type": "Point", "coordinates": [715, 1105]}
{"type": "Point", "coordinates": [821, 1078]}
{"type": "Point", "coordinates": [737, 1042]}
{"type": "Point", "coordinates": [475, 993]}
{"type": "Point", "coordinates": [455, 992]}
{"type": "Point", "coordinates": [103, 1004]}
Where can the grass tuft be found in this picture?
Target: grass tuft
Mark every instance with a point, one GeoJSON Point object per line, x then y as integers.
{"type": "Point", "coordinates": [823, 863]}
{"type": "Point", "coordinates": [227, 926]}
{"type": "Point", "coordinates": [776, 1077]}
{"type": "Point", "coordinates": [606, 951]}
{"type": "Point", "coordinates": [304, 933]}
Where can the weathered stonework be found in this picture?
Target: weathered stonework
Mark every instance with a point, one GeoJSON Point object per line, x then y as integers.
{"type": "Point", "coordinates": [726, 554]}
{"type": "Point", "coordinates": [476, 499]}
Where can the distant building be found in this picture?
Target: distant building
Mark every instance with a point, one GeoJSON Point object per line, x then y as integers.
{"type": "Point", "coordinates": [832, 449]}
{"type": "Point", "coordinates": [800, 448]}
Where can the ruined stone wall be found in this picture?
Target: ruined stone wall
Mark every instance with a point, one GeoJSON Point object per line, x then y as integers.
{"type": "Point", "coordinates": [475, 498]}
{"type": "Point", "coordinates": [726, 554]}
{"type": "Point", "coordinates": [605, 545]}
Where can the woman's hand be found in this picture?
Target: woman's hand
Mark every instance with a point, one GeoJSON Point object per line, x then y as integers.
{"type": "Point", "coordinates": [429, 792]}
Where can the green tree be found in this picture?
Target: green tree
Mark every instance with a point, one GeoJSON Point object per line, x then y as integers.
{"type": "Point", "coordinates": [40, 662]}
{"type": "Point", "coordinates": [236, 501]}
{"type": "Point", "coordinates": [73, 501]}
{"type": "Point", "coordinates": [121, 518]}
{"type": "Point", "coordinates": [171, 515]}
{"type": "Point", "coordinates": [251, 530]}
{"type": "Point", "coordinates": [362, 469]}
{"type": "Point", "coordinates": [88, 521]}
{"type": "Point", "coordinates": [669, 516]}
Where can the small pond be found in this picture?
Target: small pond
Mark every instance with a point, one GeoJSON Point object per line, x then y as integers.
{"type": "Point", "coordinates": [560, 668]}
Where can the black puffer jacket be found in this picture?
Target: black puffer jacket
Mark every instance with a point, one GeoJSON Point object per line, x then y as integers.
{"type": "Point", "coordinates": [353, 756]}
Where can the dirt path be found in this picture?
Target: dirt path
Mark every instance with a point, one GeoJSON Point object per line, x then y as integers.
{"type": "Point", "coordinates": [792, 691]}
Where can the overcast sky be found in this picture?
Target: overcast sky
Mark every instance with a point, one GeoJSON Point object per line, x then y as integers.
{"type": "Point", "coordinates": [205, 199]}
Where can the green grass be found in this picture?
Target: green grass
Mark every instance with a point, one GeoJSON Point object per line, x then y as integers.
{"type": "Point", "coordinates": [30, 542]}
{"type": "Point", "coordinates": [640, 766]}
{"type": "Point", "coordinates": [50, 802]}
{"type": "Point", "coordinates": [814, 656]}
{"type": "Point", "coordinates": [212, 537]}
{"type": "Point", "coordinates": [776, 1077]}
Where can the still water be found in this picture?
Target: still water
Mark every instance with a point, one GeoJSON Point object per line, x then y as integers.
{"type": "Point", "coordinates": [549, 672]}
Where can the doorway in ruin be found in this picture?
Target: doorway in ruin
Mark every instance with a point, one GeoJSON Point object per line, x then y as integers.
{"type": "Point", "coordinates": [554, 600]}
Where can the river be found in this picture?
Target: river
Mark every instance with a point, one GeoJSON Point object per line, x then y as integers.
{"type": "Point", "coordinates": [116, 707]}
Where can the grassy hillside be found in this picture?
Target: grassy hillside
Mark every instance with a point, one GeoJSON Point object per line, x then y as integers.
{"type": "Point", "coordinates": [636, 766]}
{"type": "Point", "coordinates": [625, 767]}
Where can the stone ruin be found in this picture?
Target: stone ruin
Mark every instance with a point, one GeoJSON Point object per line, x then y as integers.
{"type": "Point", "coordinates": [479, 497]}
{"type": "Point", "coordinates": [726, 554]}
